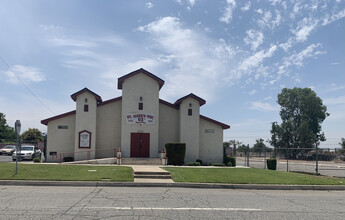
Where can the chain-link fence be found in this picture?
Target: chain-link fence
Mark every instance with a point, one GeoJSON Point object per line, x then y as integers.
{"type": "Point", "coordinates": [324, 161]}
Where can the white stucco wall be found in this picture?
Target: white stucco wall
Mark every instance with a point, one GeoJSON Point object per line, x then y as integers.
{"type": "Point", "coordinates": [211, 144]}
{"type": "Point", "coordinates": [85, 121]}
{"type": "Point", "coordinates": [108, 129]}
{"type": "Point", "coordinates": [60, 140]}
{"type": "Point", "coordinates": [168, 125]}
{"type": "Point", "coordinates": [189, 128]}
{"type": "Point", "coordinates": [140, 85]}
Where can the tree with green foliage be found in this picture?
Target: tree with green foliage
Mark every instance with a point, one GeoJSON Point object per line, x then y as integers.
{"type": "Point", "coordinates": [7, 133]}
{"type": "Point", "coordinates": [235, 144]}
{"type": "Point", "coordinates": [260, 147]}
{"type": "Point", "coordinates": [242, 148]}
{"type": "Point", "coordinates": [302, 113]}
{"type": "Point", "coordinates": [32, 135]}
{"type": "Point", "coordinates": [342, 144]}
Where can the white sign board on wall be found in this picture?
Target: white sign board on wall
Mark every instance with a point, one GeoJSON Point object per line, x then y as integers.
{"type": "Point", "coordinates": [140, 119]}
{"type": "Point", "coordinates": [84, 139]}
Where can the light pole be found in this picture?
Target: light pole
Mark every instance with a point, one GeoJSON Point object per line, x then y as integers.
{"type": "Point", "coordinates": [17, 126]}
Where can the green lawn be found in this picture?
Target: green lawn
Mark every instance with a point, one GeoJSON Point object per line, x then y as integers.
{"type": "Point", "coordinates": [65, 172]}
{"type": "Point", "coordinates": [248, 176]}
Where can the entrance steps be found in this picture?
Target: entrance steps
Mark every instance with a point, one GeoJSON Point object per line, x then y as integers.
{"type": "Point", "coordinates": [141, 161]}
{"type": "Point", "coordinates": [152, 175]}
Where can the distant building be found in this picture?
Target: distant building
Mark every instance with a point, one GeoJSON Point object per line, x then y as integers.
{"type": "Point", "coordinates": [138, 123]}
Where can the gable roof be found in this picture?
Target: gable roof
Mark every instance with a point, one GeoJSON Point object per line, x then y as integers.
{"type": "Point", "coordinates": [45, 121]}
{"type": "Point", "coordinates": [200, 100]}
{"type": "Point", "coordinates": [224, 126]}
{"type": "Point", "coordinates": [75, 95]}
{"type": "Point", "coordinates": [143, 71]}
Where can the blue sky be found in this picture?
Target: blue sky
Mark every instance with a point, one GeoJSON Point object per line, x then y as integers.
{"type": "Point", "coordinates": [237, 55]}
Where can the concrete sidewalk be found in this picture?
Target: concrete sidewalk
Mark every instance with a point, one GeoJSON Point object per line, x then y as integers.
{"type": "Point", "coordinates": [178, 185]}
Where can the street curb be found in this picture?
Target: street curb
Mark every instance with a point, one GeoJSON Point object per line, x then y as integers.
{"type": "Point", "coordinates": [173, 185]}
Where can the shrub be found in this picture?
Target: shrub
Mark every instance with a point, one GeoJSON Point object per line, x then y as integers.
{"type": "Point", "coordinates": [200, 161]}
{"type": "Point", "coordinates": [193, 164]}
{"type": "Point", "coordinates": [217, 164]}
{"type": "Point", "coordinates": [37, 160]}
{"type": "Point", "coordinates": [68, 159]}
{"type": "Point", "coordinates": [231, 159]}
{"type": "Point", "coordinates": [229, 164]}
{"type": "Point", "coordinates": [272, 164]}
{"type": "Point", "coordinates": [175, 153]}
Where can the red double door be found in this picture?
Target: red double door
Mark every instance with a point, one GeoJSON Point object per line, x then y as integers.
{"type": "Point", "coordinates": [140, 144]}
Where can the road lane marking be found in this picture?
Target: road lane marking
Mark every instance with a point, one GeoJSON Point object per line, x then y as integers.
{"type": "Point", "coordinates": [176, 209]}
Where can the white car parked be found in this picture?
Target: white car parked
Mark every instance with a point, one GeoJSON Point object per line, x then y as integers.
{"type": "Point", "coordinates": [28, 152]}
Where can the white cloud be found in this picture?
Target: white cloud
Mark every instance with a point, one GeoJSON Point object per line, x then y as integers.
{"type": "Point", "coordinates": [223, 51]}
{"type": "Point", "coordinates": [67, 42]}
{"type": "Point", "coordinates": [267, 19]}
{"type": "Point", "coordinates": [335, 101]}
{"type": "Point", "coordinates": [246, 6]}
{"type": "Point", "coordinates": [277, 20]}
{"type": "Point", "coordinates": [228, 11]}
{"type": "Point", "coordinates": [274, 2]}
{"type": "Point", "coordinates": [149, 4]}
{"type": "Point", "coordinates": [192, 2]}
{"type": "Point", "coordinates": [254, 39]}
{"type": "Point", "coordinates": [192, 58]}
{"type": "Point", "coordinates": [287, 45]}
{"type": "Point", "coordinates": [263, 106]}
{"type": "Point", "coordinates": [297, 59]}
{"type": "Point", "coordinates": [27, 74]}
{"type": "Point", "coordinates": [304, 28]}
{"type": "Point", "coordinates": [252, 92]}
{"type": "Point", "coordinates": [334, 87]}
{"type": "Point", "coordinates": [331, 18]}
{"type": "Point", "coordinates": [260, 11]}
{"type": "Point", "coordinates": [256, 59]}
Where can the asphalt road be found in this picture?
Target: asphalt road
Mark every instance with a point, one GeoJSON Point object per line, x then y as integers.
{"type": "Point", "coordinates": [25, 202]}
{"type": "Point", "coordinates": [327, 168]}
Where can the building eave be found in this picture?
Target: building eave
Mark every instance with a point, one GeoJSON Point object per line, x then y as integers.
{"type": "Point", "coordinates": [45, 121]}
{"type": "Point", "coordinates": [143, 71]}
{"type": "Point", "coordinates": [193, 96]}
{"type": "Point", "coordinates": [224, 126]}
{"type": "Point", "coordinates": [75, 95]}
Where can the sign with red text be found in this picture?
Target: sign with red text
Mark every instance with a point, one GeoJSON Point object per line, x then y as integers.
{"type": "Point", "coordinates": [140, 119]}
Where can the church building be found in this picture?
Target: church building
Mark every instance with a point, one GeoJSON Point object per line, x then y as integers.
{"type": "Point", "coordinates": [138, 123]}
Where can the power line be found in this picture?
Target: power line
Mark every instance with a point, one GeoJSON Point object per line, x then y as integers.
{"type": "Point", "coordinates": [22, 82]}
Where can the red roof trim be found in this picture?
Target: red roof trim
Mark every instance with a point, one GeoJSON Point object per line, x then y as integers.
{"type": "Point", "coordinates": [141, 70]}
{"type": "Point", "coordinates": [168, 104]}
{"type": "Point", "coordinates": [224, 126]}
{"type": "Point", "coordinates": [110, 101]}
{"type": "Point", "coordinates": [45, 121]}
{"type": "Point", "coordinates": [200, 100]}
{"type": "Point", "coordinates": [75, 95]}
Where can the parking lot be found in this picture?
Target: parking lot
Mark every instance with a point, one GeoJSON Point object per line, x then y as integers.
{"type": "Point", "coordinates": [327, 168]}
{"type": "Point", "coordinates": [8, 158]}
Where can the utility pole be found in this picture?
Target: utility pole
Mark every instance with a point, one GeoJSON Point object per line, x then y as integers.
{"type": "Point", "coordinates": [317, 159]}
{"type": "Point", "coordinates": [17, 126]}
{"type": "Point", "coordinates": [287, 159]}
